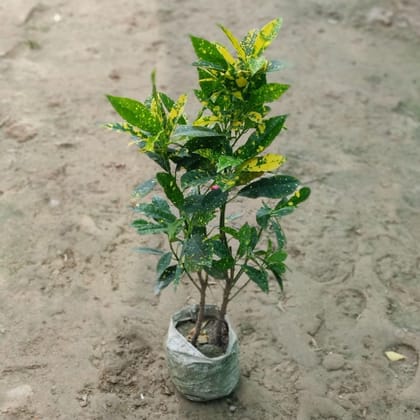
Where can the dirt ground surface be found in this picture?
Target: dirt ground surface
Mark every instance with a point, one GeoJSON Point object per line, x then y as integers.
{"type": "Point", "coordinates": [81, 331]}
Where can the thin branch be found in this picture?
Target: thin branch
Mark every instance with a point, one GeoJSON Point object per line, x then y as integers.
{"type": "Point", "coordinates": [188, 274]}
{"type": "Point", "coordinates": [239, 290]}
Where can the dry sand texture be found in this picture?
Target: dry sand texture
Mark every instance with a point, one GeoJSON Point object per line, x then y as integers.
{"type": "Point", "coordinates": [81, 332]}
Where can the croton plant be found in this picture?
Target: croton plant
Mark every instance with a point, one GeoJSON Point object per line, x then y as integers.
{"type": "Point", "coordinates": [207, 163]}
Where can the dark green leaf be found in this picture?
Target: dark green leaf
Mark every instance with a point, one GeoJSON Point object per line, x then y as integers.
{"type": "Point", "coordinates": [276, 186]}
{"type": "Point", "coordinates": [193, 203]}
{"type": "Point", "coordinates": [173, 229]}
{"type": "Point", "coordinates": [268, 93]}
{"type": "Point", "coordinates": [299, 196]}
{"type": "Point", "coordinates": [227, 162]}
{"type": "Point", "coordinates": [135, 113]}
{"type": "Point", "coordinates": [263, 216]}
{"type": "Point", "coordinates": [193, 131]}
{"type": "Point", "coordinates": [172, 191]}
{"type": "Point", "coordinates": [259, 142]}
{"type": "Point", "coordinates": [217, 270]}
{"type": "Point", "coordinates": [157, 210]}
{"type": "Point", "coordinates": [147, 250]}
{"type": "Point", "coordinates": [258, 276]}
{"type": "Point", "coordinates": [207, 51]}
{"type": "Point", "coordinates": [218, 144]}
{"type": "Point", "coordinates": [278, 269]}
{"type": "Point", "coordinates": [214, 199]}
{"type": "Point", "coordinates": [195, 177]}
{"type": "Point", "coordinates": [163, 263]}
{"type": "Point", "coordinates": [231, 231]}
{"type": "Point", "coordinates": [169, 103]}
{"type": "Point", "coordinates": [284, 211]}
{"type": "Point", "coordinates": [280, 236]}
{"type": "Point", "coordinates": [162, 161]}
{"type": "Point", "coordinates": [143, 189]}
{"type": "Point", "coordinates": [166, 278]}
{"type": "Point", "coordinates": [197, 253]}
{"type": "Point", "coordinates": [276, 257]}
{"type": "Point", "coordinates": [144, 227]}
{"type": "Point", "coordinates": [248, 238]}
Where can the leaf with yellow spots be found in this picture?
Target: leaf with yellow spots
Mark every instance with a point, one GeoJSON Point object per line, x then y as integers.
{"type": "Point", "coordinates": [268, 162]}
{"type": "Point", "coordinates": [125, 127]}
{"type": "Point", "coordinates": [266, 36]}
{"type": "Point", "coordinates": [248, 42]}
{"type": "Point", "coordinates": [256, 64]}
{"type": "Point", "coordinates": [207, 51]}
{"type": "Point", "coordinates": [172, 191]}
{"type": "Point", "coordinates": [258, 142]}
{"type": "Point", "coordinates": [230, 180]}
{"type": "Point", "coordinates": [226, 54]}
{"type": "Point", "coordinates": [255, 117]}
{"type": "Point", "coordinates": [236, 44]}
{"type": "Point", "coordinates": [299, 196]}
{"type": "Point", "coordinates": [268, 93]}
{"type": "Point", "coordinates": [206, 120]}
{"type": "Point", "coordinates": [177, 110]}
{"type": "Point", "coordinates": [135, 113]}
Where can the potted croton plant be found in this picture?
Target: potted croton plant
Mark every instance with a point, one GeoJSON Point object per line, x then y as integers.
{"type": "Point", "coordinates": [203, 166]}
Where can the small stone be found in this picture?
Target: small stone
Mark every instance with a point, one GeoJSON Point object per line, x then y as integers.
{"type": "Point", "coordinates": [54, 203]}
{"type": "Point", "coordinates": [379, 15]}
{"type": "Point", "coordinates": [17, 397]}
{"type": "Point", "coordinates": [232, 408]}
{"type": "Point", "coordinates": [20, 392]}
{"type": "Point", "coordinates": [114, 75]}
{"type": "Point", "coordinates": [88, 225]}
{"type": "Point", "coordinates": [333, 361]}
{"type": "Point", "coordinates": [21, 132]}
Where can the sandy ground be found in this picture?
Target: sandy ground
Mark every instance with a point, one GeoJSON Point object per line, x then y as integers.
{"type": "Point", "coordinates": [81, 332]}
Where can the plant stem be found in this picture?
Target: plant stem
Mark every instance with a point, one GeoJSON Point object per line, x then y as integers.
{"type": "Point", "coordinates": [178, 260]}
{"type": "Point", "coordinates": [239, 290]}
{"type": "Point", "coordinates": [222, 224]}
{"type": "Point", "coordinates": [222, 313]}
{"type": "Point", "coordinates": [200, 315]}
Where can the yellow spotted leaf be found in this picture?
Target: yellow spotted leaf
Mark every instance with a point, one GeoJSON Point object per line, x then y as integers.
{"type": "Point", "coordinates": [236, 44]}
{"type": "Point", "coordinates": [268, 162]}
{"type": "Point", "coordinates": [177, 109]}
{"type": "Point", "coordinates": [266, 35]}
{"type": "Point", "coordinates": [206, 120]}
{"type": "Point", "coordinates": [226, 54]}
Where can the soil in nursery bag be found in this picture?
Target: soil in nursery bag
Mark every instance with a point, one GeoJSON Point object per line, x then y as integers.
{"type": "Point", "coordinates": [206, 342]}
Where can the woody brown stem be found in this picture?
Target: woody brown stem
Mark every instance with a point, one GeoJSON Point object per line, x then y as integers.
{"type": "Point", "coordinates": [200, 315]}
{"type": "Point", "coordinates": [222, 313]}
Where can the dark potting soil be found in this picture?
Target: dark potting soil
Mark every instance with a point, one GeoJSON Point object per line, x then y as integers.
{"type": "Point", "coordinates": [206, 342]}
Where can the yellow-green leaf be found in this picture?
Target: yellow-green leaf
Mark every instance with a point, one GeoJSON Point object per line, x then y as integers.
{"type": "Point", "coordinates": [226, 54]}
{"type": "Point", "coordinates": [177, 109]}
{"type": "Point", "coordinates": [125, 127]}
{"type": "Point", "coordinates": [394, 356]}
{"type": "Point", "coordinates": [268, 162]}
{"type": "Point", "coordinates": [236, 44]}
{"type": "Point", "coordinates": [249, 41]}
{"type": "Point", "coordinates": [266, 35]}
{"type": "Point", "coordinates": [206, 120]}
